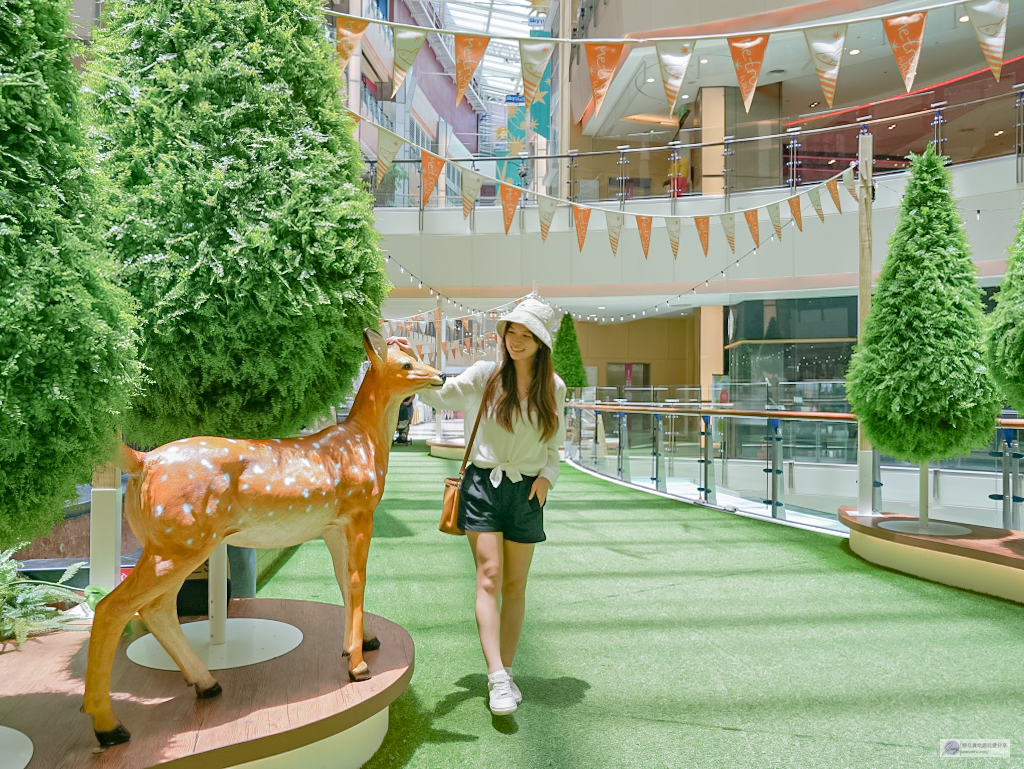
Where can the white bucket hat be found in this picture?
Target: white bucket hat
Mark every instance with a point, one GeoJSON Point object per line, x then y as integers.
{"type": "Point", "coordinates": [536, 316]}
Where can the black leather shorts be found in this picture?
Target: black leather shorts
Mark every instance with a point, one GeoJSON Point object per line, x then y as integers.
{"type": "Point", "coordinates": [506, 508]}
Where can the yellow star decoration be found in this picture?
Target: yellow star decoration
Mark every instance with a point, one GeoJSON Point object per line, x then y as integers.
{"type": "Point", "coordinates": [541, 96]}
{"type": "Point", "coordinates": [533, 125]}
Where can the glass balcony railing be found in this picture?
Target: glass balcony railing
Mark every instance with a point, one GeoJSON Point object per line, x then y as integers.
{"type": "Point", "coordinates": [793, 465]}
{"type": "Point", "coordinates": [973, 118]}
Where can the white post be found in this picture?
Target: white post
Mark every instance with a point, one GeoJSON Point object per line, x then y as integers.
{"type": "Point", "coordinates": [440, 364]}
{"type": "Point", "coordinates": [923, 497]}
{"type": "Point", "coordinates": [105, 527]}
{"type": "Point", "coordinates": [865, 457]}
{"type": "Point", "coordinates": [217, 599]}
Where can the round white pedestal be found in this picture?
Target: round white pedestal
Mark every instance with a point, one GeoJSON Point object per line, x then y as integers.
{"type": "Point", "coordinates": [16, 749]}
{"type": "Point", "coordinates": [248, 641]}
{"type": "Point", "coordinates": [934, 528]}
{"type": "Point", "coordinates": [349, 749]}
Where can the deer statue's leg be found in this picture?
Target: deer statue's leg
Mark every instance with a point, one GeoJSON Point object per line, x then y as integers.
{"type": "Point", "coordinates": [351, 548]}
{"type": "Point", "coordinates": [151, 577]}
{"type": "Point", "coordinates": [161, 616]}
{"type": "Point", "coordinates": [336, 543]}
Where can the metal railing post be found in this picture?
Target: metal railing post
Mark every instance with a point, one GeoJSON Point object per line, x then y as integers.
{"type": "Point", "coordinates": [1018, 492]}
{"type": "Point", "coordinates": [660, 482]}
{"type": "Point", "coordinates": [876, 481]}
{"type": "Point", "coordinates": [1007, 495]}
{"type": "Point", "coordinates": [777, 490]}
{"type": "Point", "coordinates": [622, 162]}
{"type": "Point", "coordinates": [707, 461]}
{"type": "Point", "coordinates": [624, 474]}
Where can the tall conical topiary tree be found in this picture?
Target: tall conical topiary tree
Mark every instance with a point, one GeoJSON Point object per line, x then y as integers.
{"type": "Point", "coordinates": [241, 221]}
{"type": "Point", "coordinates": [1004, 352]}
{"type": "Point", "coordinates": [566, 357]}
{"type": "Point", "coordinates": [67, 344]}
{"type": "Point", "coordinates": [917, 380]}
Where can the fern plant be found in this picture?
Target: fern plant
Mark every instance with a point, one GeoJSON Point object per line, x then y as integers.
{"type": "Point", "coordinates": [26, 605]}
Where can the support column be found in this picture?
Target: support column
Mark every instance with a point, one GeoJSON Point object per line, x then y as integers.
{"type": "Point", "coordinates": [105, 527]}
{"type": "Point", "coordinates": [354, 76]}
{"type": "Point", "coordinates": [564, 111]}
{"type": "Point", "coordinates": [865, 455]}
{"type": "Point", "coordinates": [712, 129]}
{"type": "Point", "coordinates": [712, 351]}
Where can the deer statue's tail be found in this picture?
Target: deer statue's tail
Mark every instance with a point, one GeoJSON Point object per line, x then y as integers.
{"type": "Point", "coordinates": [130, 460]}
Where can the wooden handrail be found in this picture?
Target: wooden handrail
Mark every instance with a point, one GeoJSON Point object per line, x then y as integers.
{"type": "Point", "coordinates": [725, 410]}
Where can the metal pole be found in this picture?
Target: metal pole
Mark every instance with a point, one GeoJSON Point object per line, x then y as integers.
{"type": "Point", "coordinates": [865, 456]}
{"type": "Point", "coordinates": [1007, 489]}
{"type": "Point", "coordinates": [673, 173]}
{"type": "Point", "coordinates": [217, 595]}
{"type": "Point", "coordinates": [622, 162]}
{"type": "Point", "coordinates": [1018, 492]}
{"type": "Point", "coordinates": [1018, 133]}
{"type": "Point", "coordinates": [573, 165]}
{"type": "Point", "coordinates": [922, 494]}
{"type": "Point", "coordinates": [793, 162]}
{"type": "Point", "coordinates": [778, 490]}
{"type": "Point", "coordinates": [439, 357]}
{"type": "Point", "coordinates": [660, 482]}
{"type": "Point", "coordinates": [727, 152]}
{"type": "Point", "coordinates": [624, 474]}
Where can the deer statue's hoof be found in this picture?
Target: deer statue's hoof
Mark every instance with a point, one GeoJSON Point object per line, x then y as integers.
{"type": "Point", "coordinates": [209, 694]}
{"type": "Point", "coordinates": [117, 736]}
{"type": "Point", "coordinates": [361, 674]}
{"type": "Point", "coordinates": [371, 644]}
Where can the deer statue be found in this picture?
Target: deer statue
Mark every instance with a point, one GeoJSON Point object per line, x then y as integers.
{"type": "Point", "coordinates": [187, 497]}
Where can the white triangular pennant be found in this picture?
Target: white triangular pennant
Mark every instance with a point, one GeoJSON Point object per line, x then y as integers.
{"type": "Point", "coordinates": [674, 59]}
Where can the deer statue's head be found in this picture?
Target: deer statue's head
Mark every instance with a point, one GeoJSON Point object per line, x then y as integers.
{"type": "Point", "coordinates": [399, 374]}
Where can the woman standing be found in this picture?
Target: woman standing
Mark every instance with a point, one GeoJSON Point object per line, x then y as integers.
{"type": "Point", "coordinates": [513, 464]}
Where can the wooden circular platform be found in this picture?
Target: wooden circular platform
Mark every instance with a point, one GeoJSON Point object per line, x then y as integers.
{"type": "Point", "coordinates": [447, 449]}
{"type": "Point", "coordinates": [286, 704]}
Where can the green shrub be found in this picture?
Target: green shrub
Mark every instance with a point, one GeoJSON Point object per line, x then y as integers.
{"type": "Point", "coordinates": [67, 344]}
{"type": "Point", "coordinates": [566, 357]}
{"type": "Point", "coordinates": [1004, 352]}
{"type": "Point", "coordinates": [917, 381]}
{"type": "Point", "coordinates": [240, 218]}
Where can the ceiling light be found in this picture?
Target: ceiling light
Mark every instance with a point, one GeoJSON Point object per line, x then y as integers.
{"type": "Point", "coordinates": [703, 61]}
{"type": "Point", "coordinates": [964, 19]}
{"type": "Point", "coordinates": [832, 161]}
{"type": "Point", "coordinates": [600, 308]}
{"type": "Point", "coordinates": [854, 51]}
{"type": "Point", "coordinates": [892, 126]}
{"type": "Point", "coordinates": [814, 104]}
{"type": "Point", "coordinates": [650, 80]}
{"type": "Point", "coordinates": [685, 96]}
{"type": "Point", "coordinates": [998, 133]}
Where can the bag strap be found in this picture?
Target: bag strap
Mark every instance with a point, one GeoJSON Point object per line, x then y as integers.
{"type": "Point", "coordinates": [469, 446]}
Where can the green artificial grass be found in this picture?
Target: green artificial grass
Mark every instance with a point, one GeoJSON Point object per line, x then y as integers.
{"type": "Point", "coordinates": [659, 634]}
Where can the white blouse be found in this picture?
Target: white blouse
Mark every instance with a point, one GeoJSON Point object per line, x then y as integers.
{"type": "Point", "coordinates": [520, 452]}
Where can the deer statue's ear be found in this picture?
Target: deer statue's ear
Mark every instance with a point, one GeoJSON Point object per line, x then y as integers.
{"type": "Point", "coordinates": [376, 346]}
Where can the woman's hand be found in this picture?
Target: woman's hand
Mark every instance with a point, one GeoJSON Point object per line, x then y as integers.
{"type": "Point", "coordinates": [540, 490]}
{"type": "Point", "coordinates": [403, 345]}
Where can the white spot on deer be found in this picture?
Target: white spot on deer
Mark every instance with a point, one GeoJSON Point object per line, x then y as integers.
{"type": "Point", "coordinates": [248, 510]}
{"type": "Point", "coordinates": [232, 440]}
{"type": "Point", "coordinates": [227, 478]}
{"type": "Point", "coordinates": [245, 486]}
{"type": "Point", "coordinates": [305, 493]}
{"type": "Point", "coordinates": [323, 493]}
{"type": "Point", "coordinates": [162, 567]}
{"type": "Point", "coordinates": [214, 536]}
{"type": "Point", "coordinates": [308, 508]}
{"type": "Point", "coordinates": [207, 464]}
{"type": "Point", "coordinates": [362, 453]}
{"type": "Point", "coordinates": [276, 440]}
{"type": "Point", "coordinates": [270, 514]}
{"type": "Point", "coordinates": [316, 445]}
{"type": "Point", "coordinates": [163, 477]}
{"type": "Point", "coordinates": [202, 443]}
{"type": "Point", "coordinates": [348, 493]}
{"type": "Point", "coordinates": [191, 476]}
{"type": "Point", "coordinates": [159, 510]}
{"type": "Point", "coordinates": [188, 541]}
{"type": "Point", "coordinates": [306, 462]}
{"type": "Point", "coordinates": [257, 469]}
{"type": "Point", "coordinates": [337, 467]}
{"type": "Point", "coordinates": [289, 507]}
{"type": "Point", "coordinates": [186, 509]}
{"type": "Point", "coordinates": [289, 481]}
{"type": "Point", "coordinates": [167, 531]}
{"type": "Point", "coordinates": [336, 482]}
{"type": "Point", "coordinates": [203, 535]}
{"type": "Point", "coordinates": [268, 487]}
{"type": "Point", "coordinates": [229, 508]}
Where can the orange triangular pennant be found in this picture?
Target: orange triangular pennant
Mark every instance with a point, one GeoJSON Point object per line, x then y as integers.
{"type": "Point", "coordinates": [348, 32]}
{"type": "Point", "coordinates": [703, 230]}
{"type": "Point", "coordinates": [747, 57]}
{"type": "Point", "coordinates": [432, 166]}
{"type": "Point", "coordinates": [469, 50]}
{"type": "Point", "coordinates": [905, 33]}
{"type": "Point", "coordinates": [509, 200]}
{"type": "Point", "coordinates": [601, 61]}
{"type": "Point", "coordinates": [833, 190]}
{"type": "Point", "coordinates": [643, 225]}
{"type": "Point", "coordinates": [581, 218]}
{"type": "Point", "coordinates": [794, 208]}
{"type": "Point", "coordinates": [751, 217]}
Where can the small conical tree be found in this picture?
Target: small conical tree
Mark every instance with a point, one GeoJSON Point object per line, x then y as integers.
{"type": "Point", "coordinates": [1004, 352]}
{"type": "Point", "coordinates": [67, 344]}
{"type": "Point", "coordinates": [241, 221]}
{"type": "Point", "coordinates": [566, 357]}
{"type": "Point", "coordinates": [917, 381]}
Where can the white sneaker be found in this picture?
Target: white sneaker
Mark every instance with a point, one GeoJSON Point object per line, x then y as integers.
{"type": "Point", "coordinates": [518, 695]}
{"type": "Point", "coordinates": [499, 686]}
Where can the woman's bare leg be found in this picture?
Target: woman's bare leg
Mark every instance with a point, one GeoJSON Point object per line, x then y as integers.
{"type": "Point", "coordinates": [487, 551]}
{"type": "Point", "coordinates": [518, 557]}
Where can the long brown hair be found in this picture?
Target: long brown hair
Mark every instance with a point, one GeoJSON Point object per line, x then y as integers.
{"type": "Point", "coordinates": [501, 394]}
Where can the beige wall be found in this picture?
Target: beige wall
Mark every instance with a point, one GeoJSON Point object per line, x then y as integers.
{"type": "Point", "coordinates": [670, 345]}
{"type": "Point", "coordinates": [712, 352]}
